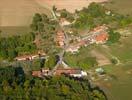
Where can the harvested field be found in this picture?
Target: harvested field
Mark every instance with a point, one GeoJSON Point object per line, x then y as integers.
{"type": "Point", "coordinates": [19, 12]}
{"type": "Point", "coordinates": [70, 5]}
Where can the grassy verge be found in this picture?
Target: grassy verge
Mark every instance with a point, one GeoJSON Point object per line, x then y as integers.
{"type": "Point", "coordinates": [14, 30]}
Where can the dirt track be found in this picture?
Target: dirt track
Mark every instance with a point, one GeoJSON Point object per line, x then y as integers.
{"type": "Point", "coordinates": [70, 5]}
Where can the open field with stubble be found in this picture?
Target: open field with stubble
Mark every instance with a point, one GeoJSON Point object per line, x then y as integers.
{"type": "Point", "coordinates": [70, 5]}
{"type": "Point", "coordinates": [19, 12]}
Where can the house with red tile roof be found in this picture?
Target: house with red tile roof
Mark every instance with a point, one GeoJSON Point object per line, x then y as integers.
{"type": "Point", "coordinates": [98, 35]}
{"type": "Point", "coordinates": [37, 74]}
{"type": "Point", "coordinates": [71, 72]}
{"type": "Point", "coordinates": [73, 48]}
{"type": "Point", "coordinates": [101, 38]}
{"type": "Point", "coordinates": [31, 56]}
{"type": "Point", "coordinates": [60, 38]}
{"type": "Point", "coordinates": [100, 28]}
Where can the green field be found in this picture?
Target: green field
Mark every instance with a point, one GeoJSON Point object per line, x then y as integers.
{"type": "Point", "coordinates": [124, 50]}
{"type": "Point", "coordinates": [14, 30]}
{"type": "Point", "coordinates": [120, 6]}
{"type": "Point", "coordinates": [120, 88]}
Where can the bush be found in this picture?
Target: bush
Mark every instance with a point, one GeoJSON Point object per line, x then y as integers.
{"type": "Point", "coordinates": [114, 61]}
{"type": "Point", "coordinates": [113, 37]}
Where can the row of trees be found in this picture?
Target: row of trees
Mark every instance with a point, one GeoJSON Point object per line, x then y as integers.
{"type": "Point", "coordinates": [15, 85]}
{"type": "Point", "coordinates": [96, 14]}
{"type": "Point", "coordinates": [90, 17]}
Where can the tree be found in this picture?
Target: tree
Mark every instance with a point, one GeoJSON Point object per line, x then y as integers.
{"type": "Point", "coordinates": [114, 61]}
{"type": "Point", "coordinates": [87, 62]}
{"type": "Point", "coordinates": [37, 18]}
{"type": "Point", "coordinates": [53, 88]}
{"type": "Point", "coordinates": [45, 19]}
{"type": "Point", "coordinates": [4, 54]}
{"type": "Point", "coordinates": [40, 27]}
{"type": "Point", "coordinates": [54, 8]}
{"type": "Point", "coordinates": [97, 95]}
{"type": "Point", "coordinates": [113, 36]}
{"type": "Point", "coordinates": [51, 62]}
{"type": "Point", "coordinates": [65, 89]}
{"type": "Point", "coordinates": [64, 14]}
{"type": "Point", "coordinates": [96, 10]}
{"type": "Point", "coordinates": [12, 54]}
{"type": "Point", "coordinates": [26, 84]}
{"type": "Point", "coordinates": [34, 27]}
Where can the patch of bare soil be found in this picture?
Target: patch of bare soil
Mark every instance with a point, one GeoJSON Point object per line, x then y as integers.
{"type": "Point", "coordinates": [101, 59]}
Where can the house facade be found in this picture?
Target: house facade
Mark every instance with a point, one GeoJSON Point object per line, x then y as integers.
{"type": "Point", "coordinates": [73, 72]}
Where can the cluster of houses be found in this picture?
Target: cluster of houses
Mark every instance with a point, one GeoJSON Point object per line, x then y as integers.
{"type": "Point", "coordinates": [98, 35]}
{"type": "Point", "coordinates": [60, 71]}
{"type": "Point", "coordinates": [60, 38]}
{"type": "Point", "coordinates": [31, 57]}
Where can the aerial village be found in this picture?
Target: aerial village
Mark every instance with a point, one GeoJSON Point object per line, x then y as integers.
{"type": "Point", "coordinates": [66, 49]}
{"type": "Point", "coordinates": [98, 35]}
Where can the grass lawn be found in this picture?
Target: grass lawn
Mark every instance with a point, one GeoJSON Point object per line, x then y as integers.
{"type": "Point", "coordinates": [123, 51]}
{"type": "Point", "coordinates": [121, 6]}
{"type": "Point", "coordinates": [83, 53]}
{"type": "Point", "coordinates": [120, 88]}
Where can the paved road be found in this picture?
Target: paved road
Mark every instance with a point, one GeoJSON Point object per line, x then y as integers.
{"type": "Point", "coordinates": [61, 54]}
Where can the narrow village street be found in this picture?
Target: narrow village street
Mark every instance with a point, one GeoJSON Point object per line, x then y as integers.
{"type": "Point", "coordinates": [66, 44]}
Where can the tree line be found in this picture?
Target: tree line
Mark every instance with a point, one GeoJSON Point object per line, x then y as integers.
{"type": "Point", "coordinates": [14, 85]}
{"type": "Point", "coordinates": [96, 14]}
{"type": "Point", "coordinates": [10, 47]}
